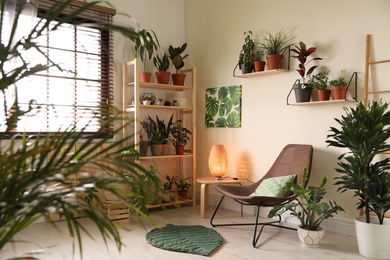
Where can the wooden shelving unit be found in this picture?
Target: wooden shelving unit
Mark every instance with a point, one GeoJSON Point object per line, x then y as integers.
{"type": "Point", "coordinates": [132, 89]}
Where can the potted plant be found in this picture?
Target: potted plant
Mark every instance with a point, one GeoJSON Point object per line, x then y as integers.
{"type": "Point", "coordinates": [182, 186]}
{"type": "Point", "coordinates": [144, 144]}
{"type": "Point", "coordinates": [364, 131]}
{"type": "Point", "coordinates": [319, 82]}
{"type": "Point", "coordinates": [301, 89]}
{"type": "Point", "coordinates": [339, 86]}
{"type": "Point", "coordinates": [309, 209]}
{"type": "Point", "coordinates": [274, 46]}
{"type": "Point", "coordinates": [247, 53]}
{"type": "Point", "coordinates": [180, 136]}
{"type": "Point", "coordinates": [159, 135]}
{"type": "Point", "coordinates": [162, 65]}
{"type": "Point", "coordinates": [177, 60]}
{"type": "Point", "coordinates": [258, 63]}
{"type": "Point", "coordinates": [168, 187]}
{"type": "Point", "coordinates": [145, 45]}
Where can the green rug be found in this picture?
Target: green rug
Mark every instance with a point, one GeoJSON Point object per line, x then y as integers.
{"type": "Point", "coordinates": [189, 239]}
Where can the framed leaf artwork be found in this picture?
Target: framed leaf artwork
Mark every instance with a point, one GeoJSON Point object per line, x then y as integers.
{"type": "Point", "coordinates": [223, 107]}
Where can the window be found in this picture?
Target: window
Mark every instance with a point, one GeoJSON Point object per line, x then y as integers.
{"type": "Point", "coordinates": [72, 94]}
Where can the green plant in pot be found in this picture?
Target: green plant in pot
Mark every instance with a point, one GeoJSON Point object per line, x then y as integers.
{"type": "Point", "coordinates": [168, 188]}
{"type": "Point", "coordinates": [274, 45]}
{"type": "Point", "coordinates": [180, 136]}
{"type": "Point", "coordinates": [319, 82]}
{"type": "Point", "coordinates": [258, 63]}
{"type": "Point", "coordinates": [339, 86]}
{"type": "Point", "coordinates": [175, 54]}
{"type": "Point", "coordinates": [309, 208]}
{"type": "Point", "coordinates": [145, 46]}
{"type": "Point", "coordinates": [159, 135]}
{"type": "Point", "coordinates": [301, 89]}
{"type": "Point", "coordinates": [247, 54]}
{"type": "Point", "coordinates": [162, 66]}
{"type": "Point", "coordinates": [363, 134]}
{"type": "Point", "coordinates": [182, 186]}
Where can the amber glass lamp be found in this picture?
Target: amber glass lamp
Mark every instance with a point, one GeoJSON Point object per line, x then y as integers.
{"type": "Point", "coordinates": [218, 161]}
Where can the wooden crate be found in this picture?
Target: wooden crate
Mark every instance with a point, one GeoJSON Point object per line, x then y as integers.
{"type": "Point", "coordinates": [116, 211]}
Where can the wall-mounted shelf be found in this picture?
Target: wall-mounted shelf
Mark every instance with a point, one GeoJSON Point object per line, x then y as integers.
{"type": "Point", "coordinates": [311, 103]}
{"type": "Point", "coordinates": [266, 72]}
{"type": "Point", "coordinates": [261, 73]}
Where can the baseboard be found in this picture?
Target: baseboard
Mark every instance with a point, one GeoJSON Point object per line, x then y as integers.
{"type": "Point", "coordinates": [340, 226]}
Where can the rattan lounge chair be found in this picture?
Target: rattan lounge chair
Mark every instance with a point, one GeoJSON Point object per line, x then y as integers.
{"type": "Point", "coordinates": [292, 159]}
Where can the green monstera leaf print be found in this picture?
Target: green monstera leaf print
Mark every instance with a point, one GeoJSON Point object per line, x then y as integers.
{"type": "Point", "coordinates": [223, 106]}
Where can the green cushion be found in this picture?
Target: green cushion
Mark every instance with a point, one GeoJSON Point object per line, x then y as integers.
{"type": "Point", "coordinates": [271, 187]}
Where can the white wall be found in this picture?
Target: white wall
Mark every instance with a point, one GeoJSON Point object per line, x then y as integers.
{"type": "Point", "coordinates": [214, 32]}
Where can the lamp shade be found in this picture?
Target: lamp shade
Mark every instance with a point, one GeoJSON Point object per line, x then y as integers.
{"type": "Point", "coordinates": [218, 161]}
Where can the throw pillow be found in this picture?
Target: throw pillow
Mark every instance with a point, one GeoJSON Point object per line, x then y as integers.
{"type": "Point", "coordinates": [271, 187]}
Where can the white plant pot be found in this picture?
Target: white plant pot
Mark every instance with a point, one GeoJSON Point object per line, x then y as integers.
{"type": "Point", "coordinates": [310, 238]}
{"type": "Point", "coordinates": [373, 239]}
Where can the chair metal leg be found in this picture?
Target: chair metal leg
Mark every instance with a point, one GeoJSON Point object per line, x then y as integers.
{"type": "Point", "coordinates": [215, 212]}
{"type": "Point", "coordinates": [256, 223]}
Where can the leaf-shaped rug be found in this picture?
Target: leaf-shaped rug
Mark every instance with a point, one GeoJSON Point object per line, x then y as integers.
{"type": "Point", "coordinates": [189, 239]}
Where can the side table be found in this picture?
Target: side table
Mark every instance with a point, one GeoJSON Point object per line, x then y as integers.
{"type": "Point", "coordinates": [204, 190]}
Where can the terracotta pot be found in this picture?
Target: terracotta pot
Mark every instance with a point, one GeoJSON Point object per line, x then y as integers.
{"type": "Point", "coordinates": [259, 65]}
{"type": "Point", "coordinates": [339, 92]}
{"type": "Point", "coordinates": [163, 77]}
{"type": "Point", "coordinates": [323, 94]}
{"type": "Point", "coordinates": [165, 149]}
{"type": "Point", "coordinates": [178, 79]}
{"type": "Point", "coordinates": [275, 61]}
{"type": "Point", "coordinates": [145, 76]}
{"type": "Point", "coordinates": [182, 194]}
{"type": "Point", "coordinates": [179, 149]}
{"type": "Point", "coordinates": [156, 149]}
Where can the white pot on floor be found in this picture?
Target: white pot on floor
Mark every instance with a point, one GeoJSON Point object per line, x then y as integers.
{"type": "Point", "coordinates": [310, 238]}
{"type": "Point", "coordinates": [373, 239]}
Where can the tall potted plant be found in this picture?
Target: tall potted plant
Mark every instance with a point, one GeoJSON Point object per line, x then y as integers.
{"type": "Point", "coordinates": [175, 54]}
{"type": "Point", "coordinates": [274, 46]}
{"type": "Point", "coordinates": [309, 209]}
{"type": "Point", "coordinates": [180, 136]}
{"type": "Point", "coordinates": [301, 89]}
{"type": "Point", "coordinates": [365, 132]}
{"type": "Point", "coordinates": [247, 54]}
{"type": "Point", "coordinates": [145, 45]}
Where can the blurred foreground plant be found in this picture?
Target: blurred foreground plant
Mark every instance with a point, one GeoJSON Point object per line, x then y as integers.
{"type": "Point", "coordinates": [37, 172]}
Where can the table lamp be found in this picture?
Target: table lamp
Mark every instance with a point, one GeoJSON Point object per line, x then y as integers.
{"type": "Point", "coordinates": [218, 161]}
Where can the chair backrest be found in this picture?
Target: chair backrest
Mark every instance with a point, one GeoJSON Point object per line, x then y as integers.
{"type": "Point", "coordinates": [291, 160]}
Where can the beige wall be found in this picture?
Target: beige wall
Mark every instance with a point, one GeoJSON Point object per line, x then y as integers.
{"type": "Point", "coordinates": [214, 32]}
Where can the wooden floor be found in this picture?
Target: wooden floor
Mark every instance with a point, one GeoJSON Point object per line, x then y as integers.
{"type": "Point", "coordinates": [275, 243]}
